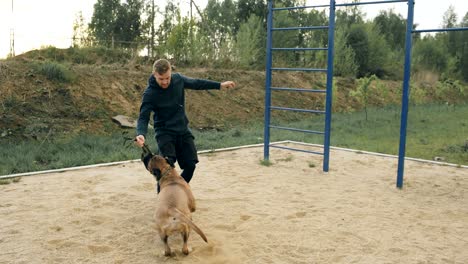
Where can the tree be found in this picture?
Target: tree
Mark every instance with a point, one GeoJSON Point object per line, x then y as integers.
{"type": "Point", "coordinates": [102, 24]}
{"type": "Point", "coordinates": [80, 32]}
{"type": "Point", "coordinates": [362, 92]}
{"type": "Point", "coordinates": [464, 49]}
{"type": "Point", "coordinates": [128, 24]}
{"type": "Point", "coordinates": [450, 21]}
{"type": "Point", "coordinates": [350, 16]}
{"type": "Point", "coordinates": [344, 64]}
{"type": "Point", "coordinates": [147, 24]}
{"type": "Point", "coordinates": [393, 27]}
{"type": "Point", "coordinates": [116, 24]}
{"type": "Point", "coordinates": [220, 23]}
{"type": "Point", "coordinates": [179, 41]}
{"type": "Point", "coordinates": [430, 54]}
{"type": "Point", "coordinates": [378, 53]}
{"type": "Point", "coordinates": [250, 43]}
{"type": "Point", "coordinates": [246, 8]}
{"type": "Point", "coordinates": [171, 18]}
{"type": "Point", "coordinates": [358, 40]}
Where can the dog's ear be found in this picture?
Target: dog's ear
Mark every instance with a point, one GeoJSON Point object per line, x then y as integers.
{"type": "Point", "coordinates": [170, 161]}
{"type": "Point", "coordinates": [156, 173]}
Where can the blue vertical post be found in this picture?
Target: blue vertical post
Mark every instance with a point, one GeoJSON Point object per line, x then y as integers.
{"type": "Point", "coordinates": [266, 137]}
{"type": "Point", "coordinates": [329, 97]}
{"type": "Point", "coordinates": [405, 94]}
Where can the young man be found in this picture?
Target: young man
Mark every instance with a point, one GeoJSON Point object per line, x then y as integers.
{"type": "Point", "coordinates": [165, 97]}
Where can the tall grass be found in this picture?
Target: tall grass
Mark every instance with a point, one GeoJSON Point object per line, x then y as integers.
{"type": "Point", "coordinates": [55, 71]}
{"type": "Point", "coordinates": [433, 131]}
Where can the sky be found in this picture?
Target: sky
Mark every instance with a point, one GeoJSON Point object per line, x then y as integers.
{"type": "Point", "coordinates": [40, 23]}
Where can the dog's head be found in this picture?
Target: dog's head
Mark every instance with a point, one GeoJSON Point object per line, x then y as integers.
{"type": "Point", "coordinates": [158, 165]}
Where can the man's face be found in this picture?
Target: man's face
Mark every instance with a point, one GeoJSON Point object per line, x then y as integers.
{"type": "Point", "coordinates": [163, 79]}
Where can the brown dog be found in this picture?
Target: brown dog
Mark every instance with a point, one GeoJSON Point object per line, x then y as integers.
{"type": "Point", "coordinates": [175, 203]}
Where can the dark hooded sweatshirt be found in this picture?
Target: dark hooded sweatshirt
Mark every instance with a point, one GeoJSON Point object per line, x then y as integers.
{"type": "Point", "coordinates": [168, 104]}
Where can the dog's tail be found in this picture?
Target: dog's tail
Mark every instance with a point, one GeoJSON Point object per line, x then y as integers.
{"type": "Point", "coordinates": [185, 219]}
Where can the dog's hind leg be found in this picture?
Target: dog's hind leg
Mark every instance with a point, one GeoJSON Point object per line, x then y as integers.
{"type": "Point", "coordinates": [167, 250]}
{"type": "Point", "coordinates": [185, 236]}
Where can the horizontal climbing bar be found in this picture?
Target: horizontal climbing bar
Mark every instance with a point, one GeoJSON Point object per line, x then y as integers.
{"type": "Point", "coordinates": [297, 110]}
{"type": "Point", "coordinates": [373, 2]}
{"type": "Point", "coordinates": [299, 49]}
{"type": "Point", "coordinates": [299, 69]}
{"type": "Point", "coordinates": [300, 28]}
{"type": "Point", "coordinates": [297, 90]}
{"type": "Point", "coordinates": [298, 7]}
{"type": "Point", "coordinates": [298, 130]}
{"type": "Point", "coordinates": [295, 149]}
{"type": "Point", "coordinates": [440, 30]}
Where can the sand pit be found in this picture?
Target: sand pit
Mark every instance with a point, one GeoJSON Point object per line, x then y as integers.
{"type": "Point", "coordinates": [290, 212]}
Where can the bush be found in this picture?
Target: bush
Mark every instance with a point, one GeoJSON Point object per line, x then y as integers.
{"type": "Point", "coordinates": [55, 71]}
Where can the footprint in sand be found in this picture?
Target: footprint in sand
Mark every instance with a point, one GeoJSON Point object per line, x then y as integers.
{"type": "Point", "coordinates": [62, 243]}
{"type": "Point", "coordinates": [226, 227]}
{"type": "Point", "coordinates": [96, 249]}
{"type": "Point", "coordinates": [296, 215]}
{"type": "Point", "coordinates": [56, 228]}
{"type": "Point", "coordinates": [245, 217]}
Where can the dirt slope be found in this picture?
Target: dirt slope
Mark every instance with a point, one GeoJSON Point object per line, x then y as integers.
{"type": "Point", "coordinates": [32, 106]}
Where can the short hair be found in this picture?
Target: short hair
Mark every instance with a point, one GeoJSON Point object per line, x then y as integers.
{"type": "Point", "coordinates": [161, 66]}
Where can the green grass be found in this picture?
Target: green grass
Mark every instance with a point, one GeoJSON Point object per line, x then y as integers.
{"type": "Point", "coordinates": [433, 130]}
{"type": "Point", "coordinates": [10, 180]}
{"type": "Point", "coordinates": [55, 71]}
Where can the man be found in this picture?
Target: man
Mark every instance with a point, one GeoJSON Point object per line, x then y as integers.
{"type": "Point", "coordinates": [165, 97]}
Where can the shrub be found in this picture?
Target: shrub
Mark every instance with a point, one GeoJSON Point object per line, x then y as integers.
{"type": "Point", "coordinates": [55, 71]}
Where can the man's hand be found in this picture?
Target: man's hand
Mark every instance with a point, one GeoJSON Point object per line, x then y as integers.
{"type": "Point", "coordinates": [140, 140]}
{"type": "Point", "coordinates": [228, 85]}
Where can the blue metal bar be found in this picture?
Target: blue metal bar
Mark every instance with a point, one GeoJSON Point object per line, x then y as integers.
{"type": "Point", "coordinates": [373, 2]}
{"type": "Point", "coordinates": [300, 49]}
{"type": "Point", "coordinates": [329, 96]}
{"type": "Point", "coordinates": [299, 69]}
{"type": "Point", "coordinates": [298, 7]}
{"type": "Point", "coordinates": [440, 30]}
{"type": "Point", "coordinates": [295, 149]}
{"type": "Point", "coordinates": [266, 137]}
{"type": "Point", "coordinates": [300, 28]}
{"type": "Point", "coordinates": [298, 130]}
{"type": "Point", "coordinates": [297, 90]}
{"type": "Point", "coordinates": [297, 110]}
{"type": "Point", "coordinates": [405, 94]}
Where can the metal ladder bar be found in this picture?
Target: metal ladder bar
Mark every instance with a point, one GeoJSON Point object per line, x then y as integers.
{"type": "Point", "coordinates": [299, 69]}
{"type": "Point", "coordinates": [298, 7]}
{"type": "Point", "coordinates": [297, 89]}
{"type": "Point", "coordinates": [296, 149]}
{"type": "Point", "coordinates": [300, 28]}
{"type": "Point", "coordinates": [299, 49]}
{"type": "Point", "coordinates": [298, 130]}
{"type": "Point", "coordinates": [439, 30]}
{"type": "Point", "coordinates": [372, 2]}
{"type": "Point", "coordinates": [297, 110]}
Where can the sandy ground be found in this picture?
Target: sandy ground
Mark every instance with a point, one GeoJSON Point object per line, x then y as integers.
{"type": "Point", "coordinates": [290, 212]}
